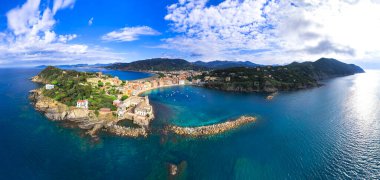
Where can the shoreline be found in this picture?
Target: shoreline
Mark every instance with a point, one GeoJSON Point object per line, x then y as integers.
{"type": "Point", "coordinates": [167, 86]}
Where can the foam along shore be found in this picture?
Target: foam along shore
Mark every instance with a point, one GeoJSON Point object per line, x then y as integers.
{"type": "Point", "coordinates": [212, 129]}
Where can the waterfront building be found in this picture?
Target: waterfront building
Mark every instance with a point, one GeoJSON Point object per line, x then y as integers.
{"type": "Point", "coordinates": [161, 82]}
{"type": "Point", "coordinates": [82, 104]}
{"type": "Point", "coordinates": [181, 82]}
{"type": "Point", "coordinates": [144, 108]}
{"type": "Point", "coordinates": [154, 84]}
{"type": "Point", "coordinates": [168, 81]}
{"type": "Point", "coordinates": [175, 80]}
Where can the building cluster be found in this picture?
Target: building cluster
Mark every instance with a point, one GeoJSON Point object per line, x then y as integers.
{"type": "Point", "coordinates": [172, 78]}
{"type": "Point", "coordinates": [138, 108]}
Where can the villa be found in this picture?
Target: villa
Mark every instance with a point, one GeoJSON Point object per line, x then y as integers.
{"type": "Point", "coordinates": [49, 86]}
{"type": "Point", "coordinates": [82, 104]}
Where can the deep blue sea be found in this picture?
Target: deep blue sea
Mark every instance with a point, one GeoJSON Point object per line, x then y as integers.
{"type": "Point", "coordinates": [331, 132]}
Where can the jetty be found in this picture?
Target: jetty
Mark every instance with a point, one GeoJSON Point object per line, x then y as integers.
{"type": "Point", "coordinates": [211, 129]}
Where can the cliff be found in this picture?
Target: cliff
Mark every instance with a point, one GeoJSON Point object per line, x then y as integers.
{"type": "Point", "coordinates": [83, 118]}
{"type": "Point", "coordinates": [57, 111]}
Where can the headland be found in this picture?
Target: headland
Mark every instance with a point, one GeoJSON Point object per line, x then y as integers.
{"type": "Point", "coordinates": [97, 102]}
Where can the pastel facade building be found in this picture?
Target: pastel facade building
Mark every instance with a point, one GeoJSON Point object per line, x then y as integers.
{"type": "Point", "coordinates": [82, 104]}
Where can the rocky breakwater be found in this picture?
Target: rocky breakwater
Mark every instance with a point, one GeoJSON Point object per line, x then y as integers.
{"type": "Point", "coordinates": [211, 129]}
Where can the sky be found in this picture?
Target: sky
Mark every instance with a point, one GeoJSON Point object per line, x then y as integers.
{"type": "Point", "coordinates": [36, 32]}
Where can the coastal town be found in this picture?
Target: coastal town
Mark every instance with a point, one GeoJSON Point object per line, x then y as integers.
{"type": "Point", "coordinates": [129, 104]}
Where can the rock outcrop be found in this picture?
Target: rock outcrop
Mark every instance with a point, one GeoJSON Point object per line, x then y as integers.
{"type": "Point", "coordinates": [127, 131]}
{"type": "Point", "coordinates": [56, 111]}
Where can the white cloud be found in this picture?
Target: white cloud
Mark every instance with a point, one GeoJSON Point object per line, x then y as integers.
{"type": "Point", "coordinates": [61, 4]}
{"type": "Point", "coordinates": [275, 31]}
{"type": "Point", "coordinates": [129, 34]}
{"type": "Point", "coordinates": [90, 21]}
{"type": "Point", "coordinates": [30, 38]}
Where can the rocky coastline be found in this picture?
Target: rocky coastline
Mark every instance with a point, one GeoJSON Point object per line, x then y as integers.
{"type": "Point", "coordinates": [82, 118]}
{"type": "Point", "coordinates": [211, 129]}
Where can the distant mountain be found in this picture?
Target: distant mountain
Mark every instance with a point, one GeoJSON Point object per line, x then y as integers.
{"type": "Point", "coordinates": [225, 64]}
{"type": "Point", "coordinates": [157, 64]}
{"type": "Point", "coordinates": [76, 66]}
{"type": "Point", "coordinates": [165, 64]}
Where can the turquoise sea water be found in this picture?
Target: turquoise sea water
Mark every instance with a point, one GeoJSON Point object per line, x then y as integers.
{"type": "Point", "coordinates": [322, 133]}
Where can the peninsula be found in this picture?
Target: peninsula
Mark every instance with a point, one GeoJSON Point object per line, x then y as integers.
{"type": "Point", "coordinates": [94, 101]}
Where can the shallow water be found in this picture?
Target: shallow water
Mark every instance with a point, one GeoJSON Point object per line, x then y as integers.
{"type": "Point", "coordinates": [327, 132]}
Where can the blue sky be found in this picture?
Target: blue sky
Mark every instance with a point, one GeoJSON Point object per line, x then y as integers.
{"type": "Point", "coordinates": [34, 32]}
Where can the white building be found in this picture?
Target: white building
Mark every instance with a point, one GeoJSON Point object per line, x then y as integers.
{"type": "Point", "coordinates": [49, 86]}
{"type": "Point", "coordinates": [82, 104]}
{"type": "Point", "coordinates": [144, 108]}
{"type": "Point", "coordinates": [121, 111]}
{"type": "Point", "coordinates": [132, 101]}
{"type": "Point", "coordinates": [181, 82]}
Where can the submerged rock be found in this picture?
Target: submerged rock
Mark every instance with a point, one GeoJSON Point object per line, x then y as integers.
{"type": "Point", "coordinates": [173, 169]}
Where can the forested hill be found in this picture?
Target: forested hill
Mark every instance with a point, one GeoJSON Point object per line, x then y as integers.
{"type": "Point", "coordinates": [165, 64]}
{"type": "Point", "coordinates": [157, 64]}
{"type": "Point", "coordinates": [71, 86]}
{"type": "Point", "coordinates": [276, 78]}
{"type": "Point", "coordinates": [325, 68]}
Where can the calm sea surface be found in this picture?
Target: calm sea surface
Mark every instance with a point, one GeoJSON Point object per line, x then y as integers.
{"type": "Point", "coordinates": [322, 133]}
